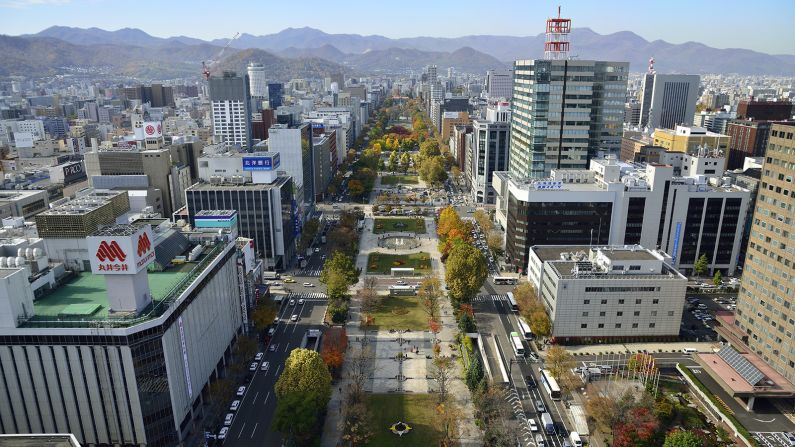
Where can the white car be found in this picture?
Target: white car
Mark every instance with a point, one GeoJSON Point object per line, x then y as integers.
{"type": "Point", "coordinates": [253, 367]}
{"type": "Point", "coordinates": [533, 425]}
{"type": "Point", "coordinates": [294, 318]}
{"type": "Point", "coordinates": [292, 302]}
{"type": "Point", "coordinates": [400, 282]}
{"type": "Point", "coordinates": [264, 366]}
{"type": "Point", "coordinates": [301, 302]}
{"type": "Point", "coordinates": [272, 348]}
{"type": "Point", "coordinates": [259, 356]}
{"type": "Point", "coordinates": [241, 391]}
{"type": "Point", "coordinates": [228, 419]}
{"type": "Point", "coordinates": [317, 250]}
{"type": "Point", "coordinates": [235, 405]}
{"type": "Point", "coordinates": [223, 432]}
{"type": "Point", "coordinates": [308, 284]}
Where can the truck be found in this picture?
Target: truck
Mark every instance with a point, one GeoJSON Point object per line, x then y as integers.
{"type": "Point", "coordinates": [270, 275]}
{"type": "Point", "coordinates": [311, 339]}
{"type": "Point", "coordinates": [546, 421]}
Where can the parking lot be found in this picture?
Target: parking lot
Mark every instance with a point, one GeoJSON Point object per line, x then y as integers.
{"type": "Point", "coordinates": [699, 315]}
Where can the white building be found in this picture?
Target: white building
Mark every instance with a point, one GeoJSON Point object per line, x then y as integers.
{"type": "Point", "coordinates": [608, 294]}
{"type": "Point", "coordinates": [489, 145]}
{"type": "Point", "coordinates": [257, 82]}
{"type": "Point", "coordinates": [499, 84]}
{"type": "Point", "coordinates": [229, 99]}
{"type": "Point", "coordinates": [668, 100]}
{"type": "Point", "coordinates": [683, 206]}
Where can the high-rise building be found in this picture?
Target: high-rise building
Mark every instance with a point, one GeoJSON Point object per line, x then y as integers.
{"type": "Point", "coordinates": [295, 146]}
{"type": "Point", "coordinates": [668, 100]}
{"type": "Point", "coordinates": [488, 152]}
{"type": "Point", "coordinates": [499, 84]}
{"type": "Point", "coordinates": [275, 95]}
{"type": "Point", "coordinates": [258, 84]}
{"type": "Point", "coordinates": [748, 139]}
{"type": "Point", "coordinates": [564, 113]}
{"type": "Point", "coordinates": [230, 101]}
{"type": "Point", "coordinates": [680, 205]}
{"type": "Point", "coordinates": [764, 303]}
{"type": "Point", "coordinates": [157, 95]}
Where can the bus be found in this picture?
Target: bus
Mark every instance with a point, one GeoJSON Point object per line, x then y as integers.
{"type": "Point", "coordinates": [505, 280]}
{"type": "Point", "coordinates": [516, 343]}
{"type": "Point", "coordinates": [402, 290]}
{"type": "Point", "coordinates": [550, 384]}
{"type": "Point", "coordinates": [512, 302]}
{"type": "Point", "coordinates": [524, 329]}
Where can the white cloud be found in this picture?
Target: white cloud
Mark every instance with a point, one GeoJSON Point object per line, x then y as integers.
{"type": "Point", "coordinates": [20, 4]}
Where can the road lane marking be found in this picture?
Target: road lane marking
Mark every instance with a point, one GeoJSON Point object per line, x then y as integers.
{"type": "Point", "coordinates": [241, 430]}
{"type": "Point", "coordinates": [277, 370]}
{"type": "Point", "coordinates": [255, 429]}
{"type": "Point", "coordinates": [267, 396]}
{"type": "Point", "coordinates": [286, 346]}
{"type": "Point", "coordinates": [255, 398]}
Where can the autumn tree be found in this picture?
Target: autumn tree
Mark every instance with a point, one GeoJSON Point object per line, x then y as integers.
{"type": "Point", "coordinates": [393, 161]}
{"type": "Point", "coordinates": [304, 372]}
{"type": "Point", "coordinates": [494, 242]}
{"type": "Point", "coordinates": [308, 233]}
{"type": "Point", "coordinates": [246, 346]}
{"type": "Point", "coordinates": [341, 264]}
{"type": "Point", "coordinates": [297, 416]}
{"type": "Point", "coordinates": [602, 410]}
{"type": "Point", "coordinates": [262, 315]}
{"type": "Point", "coordinates": [355, 188]}
{"type": "Point", "coordinates": [405, 161]}
{"type": "Point", "coordinates": [360, 367]}
{"type": "Point", "coordinates": [447, 420]}
{"type": "Point", "coordinates": [540, 323]}
{"type": "Point", "coordinates": [637, 428]}
{"type": "Point", "coordinates": [434, 326]}
{"type": "Point", "coordinates": [466, 271]}
{"type": "Point", "coordinates": [429, 293]}
{"type": "Point", "coordinates": [559, 362]}
{"type": "Point", "coordinates": [443, 374]}
{"type": "Point", "coordinates": [356, 428]}
{"type": "Point", "coordinates": [483, 220]}
{"type": "Point", "coordinates": [333, 347]}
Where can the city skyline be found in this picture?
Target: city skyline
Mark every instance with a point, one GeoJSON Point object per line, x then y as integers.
{"type": "Point", "coordinates": [31, 16]}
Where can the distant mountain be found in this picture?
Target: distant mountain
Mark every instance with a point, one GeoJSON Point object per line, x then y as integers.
{"type": "Point", "coordinates": [689, 57]}
{"type": "Point", "coordinates": [279, 68]}
{"type": "Point", "coordinates": [43, 56]}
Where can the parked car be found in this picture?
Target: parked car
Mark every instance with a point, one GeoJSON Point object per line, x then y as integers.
{"type": "Point", "coordinates": [228, 419]}
{"type": "Point", "coordinates": [540, 406]}
{"type": "Point", "coordinates": [294, 318]}
{"type": "Point", "coordinates": [301, 302]}
{"type": "Point", "coordinates": [292, 302]}
{"type": "Point", "coordinates": [265, 366]}
{"type": "Point", "coordinates": [533, 425]}
{"type": "Point", "coordinates": [223, 432]}
{"type": "Point", "coordinates": [308, 284]}
{"type": "Point", "coordinates": [253, 367]}
{"type": "Point", "coordinates": [531, 382]}
{"type": "Point", "coordinates": [272, 348]}
{"type": "Point", "coordinates": [235, 405]}
{"type": "Point", "coordinates": [259, 356]}
{"type": "Point", "coordinates": [241, 391]}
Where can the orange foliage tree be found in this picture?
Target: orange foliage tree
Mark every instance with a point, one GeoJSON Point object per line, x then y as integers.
{"type": "Point", "coordinates": [332, 350]}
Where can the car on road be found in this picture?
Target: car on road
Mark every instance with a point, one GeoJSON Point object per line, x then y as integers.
{"type": "Point", "coordinates": [540, 406]}
{"type": "Point", "coordinates": [561, 430]}
{"type": "Point", "coordinates": [294, 318]}
{"type": "Point", "coordinates": [259, 356]}
{"type": "Point", "coordinates": [273, 347]}
{"type": "Point", "coordinates": [292, 302]}
{"type": "Point", "coordinates": [400, 282]}
{"type": "Point", "coordinates": [533, 425]}
{"type": "Point", "coordinates": [265, 366]}
{"type": "Point", "coordinates": [531, 382]}
{"type": "Point", "coordinates": [289, 280]}
{"type": "Point", "coordinates": [235, 405]}
{"type": "Point", "coordinates": [223, 432]}
{"type": "Point", "coordinates": [241, 390]}
{"type": "Point", "coordinates": [317, 249]}
{"type": "Point", "coordinates": [271, 331]}
{"type": "Point", "coordinates": [308, 284]}
{"type": "Point", "coordinates": [532, 357]}
{"type": "Point", "coordinates": [540, 441]}
{"type": "Point", "coordinates": [790, 438]}
{"type": "Point", "coordinates": [253, 367]}
{"type": "Point", "coordinates": [228, 419]}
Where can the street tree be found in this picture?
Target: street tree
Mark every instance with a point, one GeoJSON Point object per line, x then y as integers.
{"type": "Point", "coordinates": [360, 367]}
{"type": "Point", "coordinates": [308, 233]}
{"type": "Point", "coordinates": [430, 148]}
{"type": "Point", "coordinates": [246, 346]}
{"type": "Point", "coordinates": [262, 315]}
{"type": "Point", "coordinates": [356, 428]}
{"type": "Point", "coordinates": [494, 242]}
{"type": "Point", "coordinates": [483, 220]}
{"type": "Point", "coordinates": [297, 416]}
{"type": "Point", "coordinates": [540, 323]}
{"type": "Point", "coordinates": [355, 188]}
{"type": "Point", "coordinates": [718, 278]}
{"type": "Point", "coordinates": [333, 348]}
{"type": "Point", "coordinates": [443, 374]}
{"type": "Point", "coordinates": [305, 372]}
{"type": "Point", "coordinates": [429, 293]}
{"type": "Point", "coordinates": [342, 264]}
{"type": "Point", "coordinates": [447, 419]}
{"type": "Point", "coordinates": [474, 373]}
{"type": "Point", "coordinates": [405, 161]}
{"type": "Point", "coordinates": [558, 361]}
{"type": "Point", "coordinates": [466, 271]}
{"type": "Point", "coordinates": [393, 161]}
{"type": "Point", "coordinates": [466, 324]}
{"type": "Point", "coordinates": [701, 265]}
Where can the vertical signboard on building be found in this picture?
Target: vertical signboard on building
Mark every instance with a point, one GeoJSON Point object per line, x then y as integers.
{"type": "Point", "coordinates": [676, 242]}
{"type": "Point", "coordinates": [185, 357]}
{"type": "Point", "coordinates": [241, 284]}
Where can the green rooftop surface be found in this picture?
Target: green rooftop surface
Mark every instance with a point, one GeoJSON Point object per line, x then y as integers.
{"type": "Point", "coordinates": [85, 296]}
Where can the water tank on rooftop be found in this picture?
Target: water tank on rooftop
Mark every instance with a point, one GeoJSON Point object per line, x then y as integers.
{"type": "Point", "coordinates": [20, 261]}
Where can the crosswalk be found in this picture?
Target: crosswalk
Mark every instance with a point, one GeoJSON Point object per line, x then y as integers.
{"type": "Point", "coordinates": [772, 439]}
{"type": "Point", "coordinates": [309, 272]}
{"type": "Point", "coordinates": [308, 296]}
{"type": "Point", "coordinates": [493, 297]}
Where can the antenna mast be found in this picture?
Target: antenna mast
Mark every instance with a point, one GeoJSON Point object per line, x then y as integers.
{"type": "Point", "coordinates": [557, 45]}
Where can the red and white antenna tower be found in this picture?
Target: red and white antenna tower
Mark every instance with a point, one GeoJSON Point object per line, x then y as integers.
{"type": "Point", "coordinates": [557, 44]}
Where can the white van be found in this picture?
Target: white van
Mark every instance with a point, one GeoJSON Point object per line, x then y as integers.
{"type": "Point", "coordinates": [574, 437]}
{"type": "Point", "coordinates": [690, 350]}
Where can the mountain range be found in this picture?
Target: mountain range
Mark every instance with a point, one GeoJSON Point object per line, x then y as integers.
{"type": "Point", "coordinates": [310, 51]}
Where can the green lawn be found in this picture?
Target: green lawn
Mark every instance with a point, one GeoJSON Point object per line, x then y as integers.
{"type": "Point", "coordinates": [416, 410]}
{"type": "Point", "coordinates": [400, 312]}
{"type": "Point", "coordinates": [383, 262]}
{"type": "Point", "coordinates": [399, 179]}
{"type": "Point", "coordinates": [399, 224]}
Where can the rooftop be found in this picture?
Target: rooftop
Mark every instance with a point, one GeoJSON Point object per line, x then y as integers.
{"type": "Point", "coordinates": [629, 255]}
{"type": "Point", "coordinates": [83, 300]}
{"type": "Point", "coordinates": [203, 186]}
{"type": "Point", "coordinates": [44, 440]}
{"type": "Point", "coordinates": [553, 252]}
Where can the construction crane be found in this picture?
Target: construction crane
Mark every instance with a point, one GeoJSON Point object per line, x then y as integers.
{"type": "Point", "coordinates": [207, 65]}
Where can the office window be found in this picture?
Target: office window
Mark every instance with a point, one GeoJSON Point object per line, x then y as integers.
{"type": "Point", "coordinates": [636, 313]}
{"type": "Point", "coordinates": [654, 313]}
{"type": "Point", "coordinates": [584, 326]}
{"type": "Point", "coordinates": [586, 302]}
{"type": "Point", "coordinates": [670, 313]}
{"type": "Point", "coordinates": [634, 325]}
{"type": "Point", "coordinates": [621, 301]}
{"type": "Point", "coordinates": [585, 314]}
{"type": "Point", "coordinates": [619, 314]}
{"type": "Point", "coordinates": [618, 325]}
{"type": "Point", "coordinates": [638, 301]}
{"type": "Point", "coordinates": [601, 325]}
{"type": "Point", "coordinates": [655, 301]}
{"type": "Point", "coordinates": [652, 324]}
{"type": "Point", "coordinates": [604, 301]}
{"type": "Point", "coordinates": [601, 314]}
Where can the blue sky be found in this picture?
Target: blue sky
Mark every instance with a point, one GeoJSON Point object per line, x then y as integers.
{"type": "Point", "coordinates": [760, 25]}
